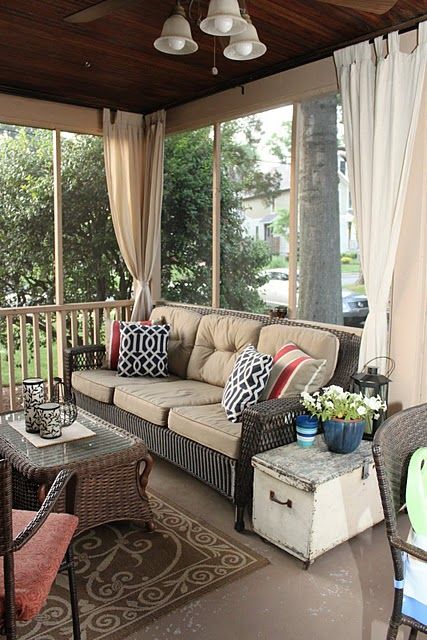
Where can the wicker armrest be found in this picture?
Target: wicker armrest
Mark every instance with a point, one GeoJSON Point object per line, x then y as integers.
{"type": "Point", "coordinates": [61, 481]}
{"type": "Point", "coordinates": [416, 552]}
{"type": "Point", "coordinates": [265, 426]}
{"type": "Point", "coordinates": [90, 356]}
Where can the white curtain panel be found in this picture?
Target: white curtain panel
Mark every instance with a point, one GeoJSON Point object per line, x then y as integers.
{"type": "Point", "coordinates": [381, 101]}
{"type": "Point", "coordinates": [133, 153]}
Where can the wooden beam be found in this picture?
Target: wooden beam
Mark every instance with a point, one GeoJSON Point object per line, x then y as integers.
{"type": "Point", "coordinates": [59, 264]}
{"type": "Point", "coordinates": [216, 215]}
{"type": "Point", "coordinates": [293, 214]}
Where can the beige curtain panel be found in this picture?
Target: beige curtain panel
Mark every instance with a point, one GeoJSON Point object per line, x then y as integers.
{"type": "Point", "coordinates": [381, 101]}
{"type": "Point", "coordinates": [133, 152]}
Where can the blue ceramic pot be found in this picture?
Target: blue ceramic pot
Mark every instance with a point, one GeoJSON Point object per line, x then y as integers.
{"type": "Point", "coordinates": [306, 427]}
{"type": "Point", "coordinates": [343, 436]}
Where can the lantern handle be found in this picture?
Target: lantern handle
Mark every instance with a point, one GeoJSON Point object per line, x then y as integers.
{"type": "Point", "coordinates": [391, 364]}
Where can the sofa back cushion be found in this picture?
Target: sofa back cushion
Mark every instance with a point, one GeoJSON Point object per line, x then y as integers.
{"type": "Point", "coordinates": [183, 328]}
{"type": "Point", "coordinates": [219, 341]}
{"type": "Point", "coordinates": [318, 344]}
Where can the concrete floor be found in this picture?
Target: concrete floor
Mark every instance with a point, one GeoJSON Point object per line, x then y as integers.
{"type": "Point", "coordinates": [346, 594]}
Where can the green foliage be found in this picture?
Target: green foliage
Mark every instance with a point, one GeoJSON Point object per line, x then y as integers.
{"type": "Point", "coordinates": [187, 218]}
{"type": "Point", "coordinates": [26, 213]}
{"type": "Point", "coordinates": [93, 267]}
{"type": "Point", "coordinates": [281, 143]}
{"type": "Point", "coordinates": [349, 254]}
{"type": "Point", "coordinates": [281, 223]}
{"type": "Point", "coordinates": [346, 260]}
{"type": "Point", "coordinates": [278, 262]}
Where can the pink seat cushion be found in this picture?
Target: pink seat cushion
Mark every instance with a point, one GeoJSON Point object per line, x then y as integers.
{"type": "Point", "coordinates": [37, 563]}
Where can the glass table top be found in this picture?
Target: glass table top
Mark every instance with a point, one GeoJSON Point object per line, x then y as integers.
{"type": "Point", "coordinates": [105, 441]}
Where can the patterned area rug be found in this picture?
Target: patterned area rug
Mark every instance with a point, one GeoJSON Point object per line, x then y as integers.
{"type": "Point", "coordinates": [127, 577]}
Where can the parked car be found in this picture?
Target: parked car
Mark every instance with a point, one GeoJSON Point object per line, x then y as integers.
{"type": "Point", "coordinates": [275, 293]}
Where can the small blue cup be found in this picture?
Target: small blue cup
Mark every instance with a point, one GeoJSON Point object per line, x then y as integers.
{"type": "Point", "coordinates": [306, 427]}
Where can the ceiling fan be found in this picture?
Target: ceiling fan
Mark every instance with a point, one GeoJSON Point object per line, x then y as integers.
{"type": "Point", "coordinates": [104, 7]}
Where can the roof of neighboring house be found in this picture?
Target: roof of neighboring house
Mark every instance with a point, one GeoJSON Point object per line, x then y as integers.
{"type": "Point", "coordinates": [285, 177]}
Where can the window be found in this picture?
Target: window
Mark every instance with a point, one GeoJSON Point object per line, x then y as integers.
{"type": "Point", "coordinates": [255, 157]}
{"type": "Point", "coordinates": [93, 266]}
{"type": "Point", "coordinates": [186, 235]}
{"type": "Point", "coordinates": [26, 215]}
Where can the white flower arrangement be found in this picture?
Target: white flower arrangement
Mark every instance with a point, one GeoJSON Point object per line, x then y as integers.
{"type": "Point", "coordinates": [334, 402]}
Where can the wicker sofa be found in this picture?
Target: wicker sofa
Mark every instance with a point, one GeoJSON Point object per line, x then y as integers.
{"type": "Point", "coordinates": [180, 419]}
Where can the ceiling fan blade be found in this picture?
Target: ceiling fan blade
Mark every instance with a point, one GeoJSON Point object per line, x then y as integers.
{"type": "Point", "coordinates": [99, 10]}
{"type": "Point", "coordinates": [370, 6]}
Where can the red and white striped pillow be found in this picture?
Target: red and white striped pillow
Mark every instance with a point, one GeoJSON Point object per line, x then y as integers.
{"type": "Point", "coordinates": [294, 371]}
{"type": "Point", "coordinates": [112, 342]}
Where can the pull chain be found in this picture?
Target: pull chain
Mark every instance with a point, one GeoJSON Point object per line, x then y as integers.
{"type": "Point", "coordinates": [214, 68]}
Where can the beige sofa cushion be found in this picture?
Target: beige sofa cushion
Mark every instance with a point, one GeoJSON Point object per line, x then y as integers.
{"type": "Point", "coordinates": [208, 426]}
{"type": "Point", "coordinates": [184, 326]}
{"type": "Point", "coordinates": [316, 343]}
{"type": "Point", "coordinates": [99, 384]}
{"type": "Point", "coordinates": [219, 340]}
{"type": "Point", "coordinates": [153, 402]}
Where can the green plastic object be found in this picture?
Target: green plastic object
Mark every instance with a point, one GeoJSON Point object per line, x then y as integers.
{"type": "Point", "coordinates": [416, 491]}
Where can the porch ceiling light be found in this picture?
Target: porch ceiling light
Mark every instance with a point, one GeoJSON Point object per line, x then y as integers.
{"type": "Point", "coordinates": [223, 18]}
{"type": "Point", "coordinates": [176, 36]}
{"type": "Point", "coordinates": [245, 45]}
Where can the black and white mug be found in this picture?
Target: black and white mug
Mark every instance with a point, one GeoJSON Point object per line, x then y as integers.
{"type": "Point", "coordinates": [48, 418]}
{"type": "Point", "coordinates": [34, 395]}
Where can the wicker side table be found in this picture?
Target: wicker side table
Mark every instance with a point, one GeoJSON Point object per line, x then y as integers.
{"type": "Point", "coordinates": [112, 472]}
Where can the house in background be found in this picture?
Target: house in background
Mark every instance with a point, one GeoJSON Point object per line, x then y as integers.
{"type": "Point", "coordinates": [260, 214]}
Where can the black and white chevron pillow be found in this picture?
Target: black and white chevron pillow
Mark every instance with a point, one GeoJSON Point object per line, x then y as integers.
{"type": "Point", "coordinates": [143, 350]}
{"type": "Point", "coordinates": [246, 382]}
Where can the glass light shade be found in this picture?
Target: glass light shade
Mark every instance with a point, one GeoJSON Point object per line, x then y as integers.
{"type": "Point", "coordinates": [177, 43]}
{"type": "Point", "coordinates": [224, 24]}
{"type": "Point", "coordinates": [220, 14]}
{"type": "Point", "coordinates": [245, 45]}
{"type": "Point", "coordinates": [176, 35]}
{"type": "Point", "coordinates": [244, 48]}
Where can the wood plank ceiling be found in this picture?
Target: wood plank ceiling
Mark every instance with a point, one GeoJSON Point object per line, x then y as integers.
{"type": "Point", "coordinates": [112, 62]}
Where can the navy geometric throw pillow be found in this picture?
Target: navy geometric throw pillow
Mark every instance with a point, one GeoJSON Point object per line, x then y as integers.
{"type": "Point", "coordinates": [246, 382]}
{"type": "Point", "coordinates": [143, 350]}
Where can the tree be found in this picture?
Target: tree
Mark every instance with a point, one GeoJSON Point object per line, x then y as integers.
{"type": "Point", "coordinates": [187, 217]}
{"type": "Point", "coordinates": [93, 267]}
{"type": "Point", "coordinates": [320, 270]}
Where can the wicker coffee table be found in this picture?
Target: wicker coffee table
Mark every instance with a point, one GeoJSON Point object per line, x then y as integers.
{"type": "Point", "coordinates": [112, 470]}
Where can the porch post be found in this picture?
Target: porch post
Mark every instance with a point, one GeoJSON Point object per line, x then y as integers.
{"type": "Point", "coordinates": [59, 267]}
{"type": "Point", "coordinates": [216, 215]}
{"type": "Point", "coordinates": [293, 214]}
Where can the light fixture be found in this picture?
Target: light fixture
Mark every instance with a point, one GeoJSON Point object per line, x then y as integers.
{"type": "Point", "coordinates": [245, 45]}
{"type": "Point", "coordinates": [176, 34]}
{"type": "Point", "coordinates": [223, 18]}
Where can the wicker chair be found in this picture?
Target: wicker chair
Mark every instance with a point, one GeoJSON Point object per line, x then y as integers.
{"type": "Point", "coordinates": [394, 443]}
{"type": "Point", "coordinates": [34, 546]}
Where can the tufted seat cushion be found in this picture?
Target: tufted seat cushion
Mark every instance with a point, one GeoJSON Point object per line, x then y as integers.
{"type": "Point", "coordinates": [154, 402]}
{"type": "Point", "coordinates": [37, 563]}
{"type": "Point", "coordinates": [219, 341]}
{"type": "Point", "coordinates": [208, 425]}
{"type": "Point", "coordinates": [99, 384]}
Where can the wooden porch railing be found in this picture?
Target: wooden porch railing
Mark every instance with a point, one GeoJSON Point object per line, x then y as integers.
{"type": "Point", "coordinates": [32, 340]}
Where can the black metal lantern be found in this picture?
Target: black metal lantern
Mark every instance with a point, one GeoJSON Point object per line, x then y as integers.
{"type": "Point", "coordinates": [370, 383]}
{"type": "Point", "coordinates": [66, 400]}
